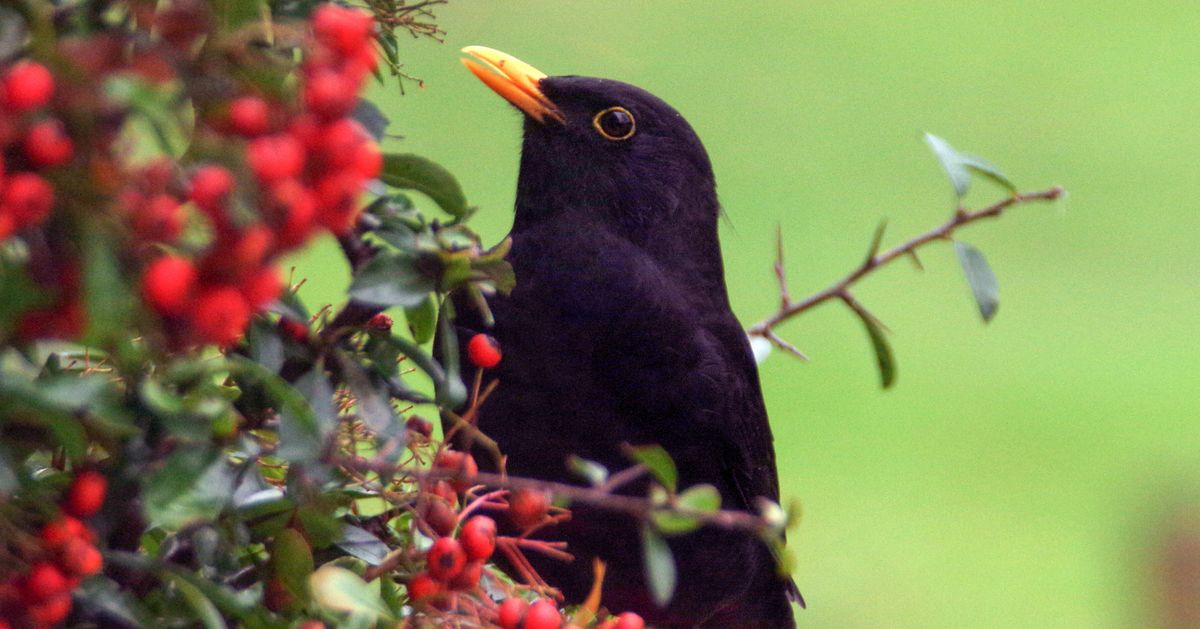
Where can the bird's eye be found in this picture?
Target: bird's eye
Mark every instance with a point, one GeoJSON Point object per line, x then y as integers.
{"type": "Point", "coordinates": [615, 123]}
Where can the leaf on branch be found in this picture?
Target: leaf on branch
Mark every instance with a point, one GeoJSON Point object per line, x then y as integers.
{"type": "Point", "coordinates": [194, 484]}
{"type": "Point", "coordinates": [205, 610]}
{"type": "Point", "coordinates": [876, 240]}
{"type": "Point", "coordinates": [292, 561]}
{"type": "Point", "coordinates": [412, 172]}
{"type": "Point", "coordinates": [341, 590]}
{"type": "Point", "coordinates": [659, 565]}
{"type": "Point", "coordinates": [422, 319]}
{"type": "Point", "coordinates": [883, 351]}
{"type": "Point", "coordinates": [703, 498]}
{"type": "Point", "coordinates": [392, 280]}
{"type": "Point", "coordinates": [363, 544]}
{"type": "Point", "coordinates": [959, 166]}
{"type": "Point", "coordinates": [591, 471]}
{"type": "Point", "coordinates": [656, 459]}
{"type": "Point", "coordinates": [980, 277]}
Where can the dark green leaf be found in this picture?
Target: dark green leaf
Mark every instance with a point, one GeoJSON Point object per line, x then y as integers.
{"type": "Point", "coordinates": [422, 319]}
{"type": "Point", "coordinates": [206, 612]}
{"type": "Point", "coordinates": [411, 172]}
{"type": "Point", "coordinates": [371, 118]}
{"type": "Point", "coordinates": [451, 392]}
{"type": "Point", "coordinates": [883, 352]}
{"type": "Point", "coordinates": [656, 459]}
{"type": "Point", "coordinates": [959, 166]}
{"type": "Point", "coordinates": [108, 300]}
{"type": "Point", "coordinates": [392, 280]}
{"type": "Point", "coordinates": [659, 566]}
{"type": "Point", "coordinates": [9, 481]}
{"type": "Point", "coordinates": [194, 484]}
{"type": "Point", "coordinates": [371, 397]}
{"type": "Point", "coordinates": [305, 424]}
{"type": "Point", "coordinates": [292, 561]}
{"type": "Point", "coordinates": [362, 544]}
{"type": "Point", "coordinates": [981, 278]}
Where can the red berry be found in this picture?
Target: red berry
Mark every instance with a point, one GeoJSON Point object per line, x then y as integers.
{"type": "Point", "coordinates": [311, 624]}
{"type": "Point", "coordinates": [422, 586]}
{"type": "Point", "coordinates": [27, 198]}
{"type": "Point", "coordinates": [249, 116]}
{"type": "Point", "coordinates": [469, 577]}
{"type": "Point", "coordinates": [528, 507]}
{"type": "Point", "coordinates": [51, 612]}
{"type": "Point", "coordinates": [275, 157]}
{"type": "Point", "coordinates": [446, 491]}
{"type": "Point", "coordinates": [211, 187]}
{"type": "Point", "coordinates": [293, 329]}
{"type": "Point", "coordinates": [346, 31]}
{"type": "Point", "coordinates": [460, 462]}
{"type": "Point", "coordinates": [330, 94]}
{"type": "Point", "coordinates": [339, 142]}
{"type": "Point", "coordinates": [262, 287]}
{"type": "Point", "coordinates": [168, 283]}
{"type": "Point", "coordinates": [542, 614]}
{"type": "Point", "coordinates": [512, 610]}
{"type": "Point", "coordinates": [419, 425]}
{"type": "Point", "coordinates": [57, 533]}
{"type": "Point", "coordinates": [629, 620]}
{"type": "Point", "coordinates": [220, 315]}
{"type": "Point", "coordinates": [337, 199]}
{"type": "Point", "coordinates": [44, 582]}
{"type": "Point", "coordinates": [380, 322]}
{"type": "Point", "coordinates": [478, 537]}
{"type": "Point", "coordinates": [85, 496]}
{"type": "Point", "coordinates": [80, 558]}
{"type": "Point", "coordinates": [368, 161]}
{"type": "Point", "coordinates": [47, 144]}
{"type": "Point", "coordinates": [292, 208]}
{"type": "Point", "coordinates": [607, 624]}
{"type": "Point", "coordinates": [160, 219]}
{"type": "Point", "coordinates": [26, 86]}
{"type": "Point", "coordinates": [483, 351]}
{"type": "Point", "coordinates": [439, 515]}
{"type": "Point", "coordinates": [445, 559]}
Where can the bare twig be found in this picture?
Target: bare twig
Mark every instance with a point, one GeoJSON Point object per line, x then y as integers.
{"type": "Point", "coordinates": [840, 290]}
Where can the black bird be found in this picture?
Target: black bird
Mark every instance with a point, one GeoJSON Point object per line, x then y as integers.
{"type": "Point", "coordinates": [619, 331]}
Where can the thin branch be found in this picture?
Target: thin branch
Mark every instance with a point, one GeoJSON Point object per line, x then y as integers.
{"type": "Point", "coordinates": [840, 290]}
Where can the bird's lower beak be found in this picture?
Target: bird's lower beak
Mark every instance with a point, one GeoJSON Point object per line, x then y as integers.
{"type": "Point", "coordinates": [518, 82]}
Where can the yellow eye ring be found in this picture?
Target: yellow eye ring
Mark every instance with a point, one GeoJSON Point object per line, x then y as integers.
{"type": "Point", "coordinates": [615, 123]}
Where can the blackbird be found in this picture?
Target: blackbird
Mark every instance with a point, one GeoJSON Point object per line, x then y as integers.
{"type": "Point", "coordinates": [619, 331]}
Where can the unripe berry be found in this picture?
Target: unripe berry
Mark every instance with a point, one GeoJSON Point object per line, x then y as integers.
{"type": "Point", "coordinates": [27, 198]}
{"type": "Point", "coordinates": [168, 283]}
{"type": "Point", "coordinates": [542, 614]}
{"type": "Point", "coordinates": [220, 315]}
{"type": "Point", "coordinates": [211, 187]}
{"type": "Point", "coordinates": [85, 496]}
{"type": "Point", "coordinates": [249, 116]}
{"type": "Point", "coordinates": [528, 507]}
{"type": "Point", "coordinates": [483, 351]}
{"type": "Point", "coordinates": [26, 86]}
{"type": "Point", "coordinates": [511, 611]}
{"type": "Point", "coordinates": [422, 587]}
{"type": "Point", "coordinates": [468, 577]}
{"type": "Point", "coordinates": [478, 537]}
{"type": "Point", "coordinates": [629, 620]}
{"type": "Point", "coordinates": [47, 144]}
{"type": "Point", "coordinates": [460, 462]}
{"type": "Point", "coordinates": [445, 559]}
{"type": "Point", "coordinates": [80, 558]}
{"type": "Point", "coordinates": [43, 582]}
{"type": "Point", "coordinates": [275, 157]}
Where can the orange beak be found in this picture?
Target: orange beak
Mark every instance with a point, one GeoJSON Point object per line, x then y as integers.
{"type": "Point", "coordinates": [517, 81]}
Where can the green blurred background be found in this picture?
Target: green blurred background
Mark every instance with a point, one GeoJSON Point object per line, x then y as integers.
{"type": "Point", "coordinates": [1020, 474]}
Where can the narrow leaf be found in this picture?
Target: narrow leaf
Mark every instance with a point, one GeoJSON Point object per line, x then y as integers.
{"type": "Point", "coordinates": [207, 613]}
{"type": "Point", "coordinates": [591, 471]}
{"type": "Point", "coordinates": [411, 172]}
{"type": "Point", "coordinates": [656, 459]}
{"type": "Point", "coordinates": [981, 279]}
{"type": "Point", "coordinates": [659, 565]}
{"type": "Point", "coordinates": [883, 352]}
{"type": "Point", "coordinates": [959, 166]}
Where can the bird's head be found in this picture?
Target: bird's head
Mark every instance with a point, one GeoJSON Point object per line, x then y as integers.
{"type": "Point", "coordinates": [602, 148]}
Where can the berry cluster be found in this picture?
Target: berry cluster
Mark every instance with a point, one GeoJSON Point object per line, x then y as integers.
{"type": "Point", "coordinates": [455, 564]}
{"type": "Point", "coordinates": [309, 167]}
{"type": "Point", "coordinates": [33, 141]}
{"type": "Point", "coordinates": [65, 554]}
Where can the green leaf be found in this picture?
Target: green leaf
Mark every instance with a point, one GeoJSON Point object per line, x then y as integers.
{"type": "Point", "coordinates": [656, 459]}
{"type": "Point", "coordinates": [108, 300]}
{"type": "Point", "coordinates": [659, 565]}
{"type": "Point", "coordinates": [339, 589]}
{"type": "Point", "coordinates": [883, 352]}
{"type": "Point", "coordinates": [9, 481]}
{"type": "Point", "coordinates": [422, 319]}
{"type": "Point", "coordinates": [208, 614]}
{"type": "Point", "coordinates": [981, 279]}
{"type": "Point", "coordinates": [194, 484]}
{"type": "Point", "coordinates": [305, 426]}
{"type": "Point", "coordinates": [959, 166]}
{"type": "Point", "coordinates": [411, 172]}
{"type": "Point", "coordinates": [702, 497]}
{"type": "Point", "coordinates": [371, 118]}
{"type": "Point", "coordinates": [371, 399]}
{"type": "Point", "coordinates": [292, 561]}
{"type": "Point", "coordinates": [360, 543]}
{"type": "Point", "coordinates": [451, 392]}
{"type": "Point", "coordinates": [392, 280]}
{"type": "Point", "coordinates": [591, 471]}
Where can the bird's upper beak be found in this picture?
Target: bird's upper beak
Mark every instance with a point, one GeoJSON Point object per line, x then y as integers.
{"type": "Point", "coordinates": [518, 82]}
